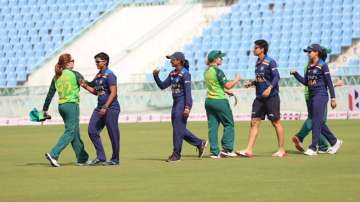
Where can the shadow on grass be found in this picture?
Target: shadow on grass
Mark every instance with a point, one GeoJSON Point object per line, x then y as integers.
{"type": "Point", "coordinates": [44, 164]}
{"type": "Point", "coordinates": [294, 152]}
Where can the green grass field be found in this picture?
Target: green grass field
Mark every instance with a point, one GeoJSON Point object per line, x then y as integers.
{"type": "Point", "coordinates": [144, 176]}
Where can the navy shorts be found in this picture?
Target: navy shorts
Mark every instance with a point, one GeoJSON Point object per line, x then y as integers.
{"type": "Point", "coordinates": [266, 106]}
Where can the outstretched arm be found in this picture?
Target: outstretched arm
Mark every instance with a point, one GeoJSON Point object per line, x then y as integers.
{"type": "Point", "coordinates": [161, 84]}
{"type": "Point", "coordinates": [299, 77]}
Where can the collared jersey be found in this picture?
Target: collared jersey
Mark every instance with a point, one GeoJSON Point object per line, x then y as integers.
{"type": "Point", "coordinates": [102, 82]}
{"type": "Point", "coordinates": [318, 79]}
{"type": "Point", "coordinates": [180, 83]}
{"type": "Point", "coordinates": [266, 74]}
{"type": "Point", "coordinates": [67, 86]}
{"type": "Point", "coordinates": [215, 80]}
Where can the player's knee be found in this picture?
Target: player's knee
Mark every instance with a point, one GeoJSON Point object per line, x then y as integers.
{"type": "Point", "coordinates": [254, 123]}
{"type": "Point", "coordinates": [276, 123]}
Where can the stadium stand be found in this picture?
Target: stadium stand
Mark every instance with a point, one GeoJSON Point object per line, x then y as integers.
{"type": "Point", "coordinates": [32, 30]}
{"type": "Point", "coordinates": [351, 68]}
{"type": "Point", "coordinates": [289, 26]}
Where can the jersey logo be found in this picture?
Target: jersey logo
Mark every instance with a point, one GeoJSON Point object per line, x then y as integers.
{"type": "Point", "coordinates": [265, 62]}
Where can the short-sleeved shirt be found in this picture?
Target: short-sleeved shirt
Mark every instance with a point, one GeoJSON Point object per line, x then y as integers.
{"type": "Point", "coordinates": [266, 73]}
{"type": "Point", "coordinates": [215, 80]}
{"type": "Point", "coordinates": [102, 82]}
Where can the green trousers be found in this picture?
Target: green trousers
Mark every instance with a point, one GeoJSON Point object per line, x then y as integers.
{"type": "Point", "coordinates": [306, 128]}
{"type": "Point", "coordinates": [70, 114]}
{"type": "Point", "coordinates": [219, 111]}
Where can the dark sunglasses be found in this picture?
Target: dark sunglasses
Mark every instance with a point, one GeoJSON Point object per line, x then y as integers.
{"type": "Point", "coordinates": [98, 61]}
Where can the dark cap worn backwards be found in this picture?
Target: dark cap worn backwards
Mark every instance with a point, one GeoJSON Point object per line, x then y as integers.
{"type": "Point", "coordinates": [314, 47]}
{"type": "Point", "coordinates": [215, 54]}
{"type": "Point", "coordinates": [177, 56]}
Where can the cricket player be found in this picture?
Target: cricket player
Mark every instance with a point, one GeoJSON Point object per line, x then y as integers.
{"type": "Point", "coordinates": [67, 83]}
{"type": "Point", "coordinates": [306, 127]}
{"type": "Point", "coordinates": [180, 81]}
{"type": "Point", "coordinates": [267, 101]}
{"type": "Point", "coordinates": [217, 106]}
{"type": "Point", "coordinates": [106, 113]}
{"type": "Point", "coordinates": [318, 80]}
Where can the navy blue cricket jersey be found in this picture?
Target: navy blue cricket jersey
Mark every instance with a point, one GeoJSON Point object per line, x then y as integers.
{"type": "Point", "coordinates": [180, 85]}
{"type": "Point", "coordinates": [318, 79]}
{"type": "Point", "coordinates": [102, 82]}
{"type": "Point", "coordinates": [266, 74]}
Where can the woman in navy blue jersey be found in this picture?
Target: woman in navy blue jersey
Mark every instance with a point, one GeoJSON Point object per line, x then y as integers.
{"type": "Point", "coordinates": [104, 86]}
{"type": "Point", "coordinates": [318, 80]}
{"type": "Point", "coordinates": [180, 81]}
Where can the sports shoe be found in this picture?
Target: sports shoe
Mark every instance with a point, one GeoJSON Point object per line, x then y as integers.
{"type": "Point", "coordinates": [112, 163]}
{"type": "Point", "coordinates": [52, 161]}
{"type": "Point", "coordinates": [298, 144]}
{"type": "Point", "coordinates": [173, 158]}
{"type": "Point", "coordinates": [310, 152]}
{"type": "Point", "coordinates": [96, 162]}
{"type": "Point", "coordinates": [82, 164]}
{"type": "Point", "coordinates": [279, 154]}
{"type": "Point", "coordinates": [226, 153]}
{"type": "Point", "coordinates": [244, 154]}
{"type": "Point", "coordinates": [323, 152]}
{"type": "Point", "coordinates": [336, 147]}
{"type": "Point", "coordinates": [202, 147]}
{"type": "Point", "coordinates": [213, 156]}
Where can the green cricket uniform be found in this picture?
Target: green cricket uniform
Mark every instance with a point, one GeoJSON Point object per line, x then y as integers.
{"type": "Point", "coordinates": [307, 126]}
{"type": "Point", "coordinates": [218, 110]}
{"type": "Point", "coordinates": [68, 88]}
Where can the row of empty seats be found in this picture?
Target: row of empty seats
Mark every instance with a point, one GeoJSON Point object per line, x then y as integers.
{"type": "Point", "coordinates": [289, 26]}
{"type": "Point", "coordinates": [32, 30]}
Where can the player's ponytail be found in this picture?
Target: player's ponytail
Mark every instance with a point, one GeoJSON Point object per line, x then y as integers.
{"type": "Point", "coordinates": [61, 64]}
{"type": "Point", "coordinates": [186, 64]}
{"type": "Point", "coordinates": [324, 53]}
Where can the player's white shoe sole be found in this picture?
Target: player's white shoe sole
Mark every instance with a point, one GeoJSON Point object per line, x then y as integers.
{"type": "Point", "coordinates": [52, 161]}
{"type": "Point", "coordinates": [310, 152]}
{"type": "Point", "coordinates": [227, 154]}
{"type": "Point", "coordinates": [334, 149]}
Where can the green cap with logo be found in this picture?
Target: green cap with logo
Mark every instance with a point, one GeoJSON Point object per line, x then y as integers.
{"type": "Point", "coordinates": [215, 54]}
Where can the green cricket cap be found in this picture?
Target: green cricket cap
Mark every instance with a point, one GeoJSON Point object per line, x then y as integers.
{"type": "Point", "coordinates": [215, 54]}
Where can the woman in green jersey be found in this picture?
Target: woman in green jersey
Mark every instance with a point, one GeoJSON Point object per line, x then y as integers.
{"type": "Point", "coordinates": [217, 106]}
{"type": "Point", "coordinates": [67, 83]}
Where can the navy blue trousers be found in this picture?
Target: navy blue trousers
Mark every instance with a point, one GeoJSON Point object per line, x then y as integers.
{"type": "Point", "coordinates": [180, 132]}
{"type": "Point", "coordinates": [97, 123]}
{"type": "Point", "coordinates": [318, 104]}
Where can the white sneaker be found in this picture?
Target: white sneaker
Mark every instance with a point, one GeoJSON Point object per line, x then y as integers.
{"type": "Point", "coordinates": [52, 161]}
{"type": "Point", "coordinates": [224, 153]}
{"type": "Point", "coordinates": [215, 156]}
{"type": "Point", "coordinates": [336, 147]}
{"type": "Point", "coordinates": [310, 152]}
